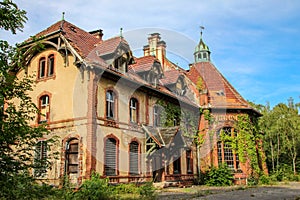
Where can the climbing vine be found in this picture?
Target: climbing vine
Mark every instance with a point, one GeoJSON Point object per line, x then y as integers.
{"type": "Point", "coordinates": [246, 142]}
{"type": "Point", "coordinates": [173, 115]}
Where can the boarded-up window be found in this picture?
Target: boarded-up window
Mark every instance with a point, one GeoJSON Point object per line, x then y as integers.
{"type": "Point", "coordinates": [110, 157]}
{"type": "Point", "coordinates": [134, 158]}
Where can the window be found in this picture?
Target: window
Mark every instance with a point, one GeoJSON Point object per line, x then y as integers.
{"type": "Point", "coordinates": [134, 158]}
{"type": "Point", "coordinates": [133, 110]}
{"type": "Point", "coordinates": [110, 166]}
{"type": "Point", "coordinates": [110, 104]}
{"type": "Point", "coordinates": [156, 116]}
{"type": "Point", "coordinates": [40, 159]}
{"type": "Point", "coordinates": [72, 161]}
{"type": "Point", "coordinates": [189, 161]}
{"type": "Point", "coordinates": [44, 106]}
{"type": "Point", "coordinates": [46, 67]}
{"type": "Point", "coordinates": [42, 68]}
{"type": "Point", "coordinates": [225, 152]}
{"type": "Point", "coordinates": [50, 65]}
{"type": "Point", "coordinates": [176, 163]}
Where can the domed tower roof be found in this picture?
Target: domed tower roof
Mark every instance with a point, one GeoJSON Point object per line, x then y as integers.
{"type": "Point", "coordinates": [202, 53]}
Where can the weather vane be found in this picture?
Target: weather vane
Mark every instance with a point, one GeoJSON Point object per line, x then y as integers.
{"type": "Point", "coordinates": [201, 28]}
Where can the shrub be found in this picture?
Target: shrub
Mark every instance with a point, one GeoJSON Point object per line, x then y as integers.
{"type": "Point", "coordinates": [221, 176]}
{"type": "Point", "coordinates": [95, 188]}
{"type": "Point", "coordinates": [147, 191]}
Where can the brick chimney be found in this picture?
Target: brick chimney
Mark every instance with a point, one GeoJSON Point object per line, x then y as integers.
{"type": "Point", "coordinates": [156, 47]}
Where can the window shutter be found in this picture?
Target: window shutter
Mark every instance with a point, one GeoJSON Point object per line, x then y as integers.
{"type": "Point", "coordinates": [110, 157]}
{"type": "Point", "coordinates": [134, 158]}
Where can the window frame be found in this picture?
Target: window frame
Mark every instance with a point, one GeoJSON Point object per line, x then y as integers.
{"type": "Point", "coordinates": [133, 110]}
{"type": "Point", "coordinates": [225, 153]}
{"type": "Point", "coordinates": [40, 156]}
{"type": "Point", "coordinates": [110, 112]}
{"type": "Point", "coordinates": [156, 116]}
{"type": "Point", "coordinates": [105, 165]}
{"type": "Point", "coordinates": [68, 152]}
{"type": "Point", "coordinates": [137, 154]}
{"type": "Point", "coordinates": [44, 107]}
{"type": "Point", "coordinates": [46, 67]}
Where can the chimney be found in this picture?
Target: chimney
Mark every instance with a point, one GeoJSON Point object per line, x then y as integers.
{"type": "Point", "coordinates": [156, 47]}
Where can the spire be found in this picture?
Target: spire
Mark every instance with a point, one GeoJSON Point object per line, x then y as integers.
{"type": "Point", "coordinates": [121, 32]}
{"type": "Point", "coordinates": [63, 16]}
{"type": "Point", "coordinates": [202, 53]}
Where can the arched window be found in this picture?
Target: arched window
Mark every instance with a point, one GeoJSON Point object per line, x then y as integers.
{"type": "Point", "coordinates": [40, 159]}
{"type": "Point", "coordinates": [42, 67]}
{"type": "Point", "coordinates": [133, 110]}
{"type": "Point", "coordinates": [44, 106]}
{"type": "Point", "coordinates": [72, 154]}
{"type": "Point", "coordinates": [46, 67]}
{"type": "Point", "coordinates": [51, 65]}
{"type": "Point", "coordinates": [110, 104]}
{"type": "Point", "coordinates": [134, 158]}
{"type": "Point", "coordinates": [110, 166]}
{"type": "Point", "coordinates": [225, 152]}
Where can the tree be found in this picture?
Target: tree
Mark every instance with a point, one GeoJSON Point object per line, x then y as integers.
{"type": "Point", "coordinates": [17, 137]}
{"type": "Point", "coordinates": [280, 126]}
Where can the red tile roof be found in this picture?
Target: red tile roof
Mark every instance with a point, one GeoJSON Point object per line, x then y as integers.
{"type": "Point", "coordinates": [110, 45]}
{"type": "Point", "coordinates": [143, 64]}
{"type": "Point", "coordinates": [221, 92]}
{"type": "Point", "coordinates": [170, 77]}
{"type": "Point", "coordinates": [82, 41]}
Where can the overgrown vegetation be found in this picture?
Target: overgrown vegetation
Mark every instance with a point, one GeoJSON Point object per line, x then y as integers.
{"type": "Point", "coordinates": [219, 176]}
{"type": "Point", "coordinates": [280, 127]}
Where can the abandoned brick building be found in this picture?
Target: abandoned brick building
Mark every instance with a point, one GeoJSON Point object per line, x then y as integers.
{"type": "Point", "coordinates": [127, 118]}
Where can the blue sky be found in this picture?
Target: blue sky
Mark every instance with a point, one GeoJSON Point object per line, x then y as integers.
{"type": "Point", "coordinates": [255, 44]}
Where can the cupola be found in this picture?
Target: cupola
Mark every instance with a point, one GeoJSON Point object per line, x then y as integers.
{"type": "Point", "coordinates": [202, 53]}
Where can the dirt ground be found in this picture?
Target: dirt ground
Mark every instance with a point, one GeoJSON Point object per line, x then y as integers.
{"type": "Point", "coordinates": [280, 191]}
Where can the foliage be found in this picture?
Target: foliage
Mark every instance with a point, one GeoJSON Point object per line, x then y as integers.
{"type": "Point", "coordinates": [95, 188]}
{"type": "Point", "coordinates": [219, 176]}
{"type": "Point", "coordinates": [17, 137]}
{"type": "Point", "coordinates": [12, 18]}
{"type": "Point", "coordinates": [99, 189]}
{"type": "Point", "coordinates": [281, 128]}
{"type": "Point", "coordinates": [22, 186]}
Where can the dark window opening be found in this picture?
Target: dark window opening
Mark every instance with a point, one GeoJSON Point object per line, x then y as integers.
{"type": "Point", "coordinates": [72, 160]}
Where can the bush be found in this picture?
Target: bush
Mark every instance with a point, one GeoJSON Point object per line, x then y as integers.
{"type": "Point", "coordinates": [147, 191]}
{"type": "Point", "coordinates": [221, 176]}
{"type": "Point", "coordinates": [95, 188]}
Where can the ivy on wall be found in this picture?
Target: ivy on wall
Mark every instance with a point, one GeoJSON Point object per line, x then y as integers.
{"type": "Point", "coordinates": [246, 142]}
